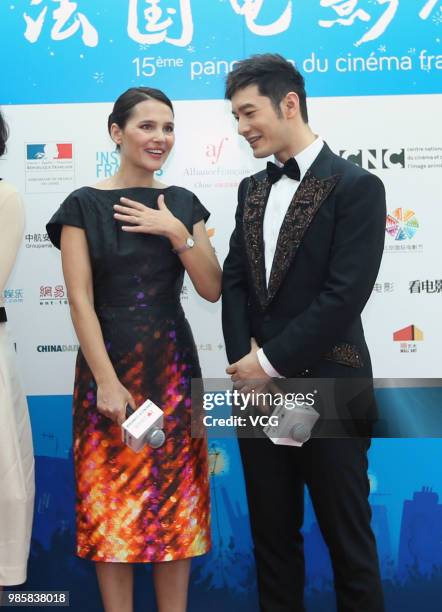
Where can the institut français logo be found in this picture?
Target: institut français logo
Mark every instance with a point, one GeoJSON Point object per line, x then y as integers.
{"type": "Point", "coordinates": [107, 163]}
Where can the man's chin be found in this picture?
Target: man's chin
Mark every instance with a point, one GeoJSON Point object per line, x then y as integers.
{"type": "Point", "coordinates": [260, 153]}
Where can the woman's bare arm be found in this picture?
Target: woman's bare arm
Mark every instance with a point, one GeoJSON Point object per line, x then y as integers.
{"type": "Point", "coordinates": [200, 262]}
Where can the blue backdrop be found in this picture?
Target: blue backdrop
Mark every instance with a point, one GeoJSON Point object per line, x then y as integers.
{"type": "Point", "coordinates": [89, 51]}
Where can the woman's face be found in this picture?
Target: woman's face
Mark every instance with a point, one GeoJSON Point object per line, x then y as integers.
{"type": "Point", "coordinates": [148, 136]}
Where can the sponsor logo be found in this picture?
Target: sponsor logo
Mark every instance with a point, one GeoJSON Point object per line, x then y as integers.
{"type": "Point", "coordinates": [407, 337]}
{"type": "Point", "coordinates": [394, 158]}
{"type": "Point", "coordinates": [426, 286]}
{"type": "Point", "coordinates": [53, 295]}
{"type": "Point", "coordinates": [383, 287]}
{"type": "Point", "coordinates": [424, 158]}
{"type": "Point", "coordinates": [49, 151]}
{"type": "Point", "coordinates": [411, 332]}
{"type": "Point", "coordinates": [37, 241]}
{"type": "Point", "coordinates": [402, 224]}
{"type": "Point", "coordinates": [107, 163]}
{"type": "Point", "coordinates": [13, 296]}
{"type": "Point", "coordinates": [49, 167]}
{"type": "Point", "coordinates": [210, 347]}
{"type": "Point", "coordinates": [375, 159]}
{"type": "Point", "coordinates": [215, 174]}
{"type": "Point", "coordinates": [213, 151]}
{"type": "Point", "coordinates": [217, 177]}
{"type": "Point", "coordinates": [58, 348]}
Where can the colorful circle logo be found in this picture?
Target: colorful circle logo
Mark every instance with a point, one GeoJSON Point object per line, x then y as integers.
{"type": "Point", "coordinates": [402, 224]}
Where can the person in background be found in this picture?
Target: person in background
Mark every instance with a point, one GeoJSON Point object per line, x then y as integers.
{"type": "Point", "coordinates": [125, 245]}
{"type": "Point", "coordinates": [16, 450]}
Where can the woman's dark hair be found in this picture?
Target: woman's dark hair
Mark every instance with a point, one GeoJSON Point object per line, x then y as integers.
{"type": "Point", "coordinates": [4, 133]}
{"type": "Point", "coordinates": [273, 75]}
{"type": "Point", "coordinates": [125, 104]}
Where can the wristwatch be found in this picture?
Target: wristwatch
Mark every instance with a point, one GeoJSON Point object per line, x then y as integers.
{"type": "Point", "coordinates": [190, 242]}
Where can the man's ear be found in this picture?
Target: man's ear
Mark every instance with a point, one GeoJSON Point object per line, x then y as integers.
{"type": "Point", "coordinates": [116, 133]}
{"type": "Point", "coordinates": [290, 105]}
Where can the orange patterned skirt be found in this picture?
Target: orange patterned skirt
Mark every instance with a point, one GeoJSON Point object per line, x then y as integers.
{"type": "Point", "coordinates": [153, 505]}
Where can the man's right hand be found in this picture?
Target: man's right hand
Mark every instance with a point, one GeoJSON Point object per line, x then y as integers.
{"type": "Point", "coordinates": [112, 399]}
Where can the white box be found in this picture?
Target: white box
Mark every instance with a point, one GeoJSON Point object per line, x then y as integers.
{"type": "Point", "coordinates": [136, 428]}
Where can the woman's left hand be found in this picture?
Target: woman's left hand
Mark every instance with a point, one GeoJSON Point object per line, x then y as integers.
{"type": "Point", "coordinates": [146, 220]}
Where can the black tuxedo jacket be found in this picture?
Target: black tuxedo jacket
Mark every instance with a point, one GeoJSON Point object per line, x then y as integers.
{"type": "Point", "coordinates": [326, 262]}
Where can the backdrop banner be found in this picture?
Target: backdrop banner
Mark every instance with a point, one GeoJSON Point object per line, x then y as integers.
{"type": "Point", "coordinates": [373, 72]}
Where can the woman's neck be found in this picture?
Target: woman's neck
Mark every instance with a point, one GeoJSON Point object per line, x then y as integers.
{"type": "Point", "coordinates": [132, 177]}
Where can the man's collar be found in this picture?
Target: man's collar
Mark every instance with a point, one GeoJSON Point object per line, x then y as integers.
{"type": "Point", "coordinates": [307, 156]}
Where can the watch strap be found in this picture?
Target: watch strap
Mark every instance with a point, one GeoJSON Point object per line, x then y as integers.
{"type": "Point", "coordinates": [186, 246]}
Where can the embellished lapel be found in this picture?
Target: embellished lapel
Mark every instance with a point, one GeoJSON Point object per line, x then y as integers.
{"type": "Point", "coordinates": [306, 202]}
{"type": "Point", "coordinates": [253, 217]}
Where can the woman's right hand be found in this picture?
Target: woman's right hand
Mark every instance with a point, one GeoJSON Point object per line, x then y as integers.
{"type": "Point", "coordinates": [112, 399]}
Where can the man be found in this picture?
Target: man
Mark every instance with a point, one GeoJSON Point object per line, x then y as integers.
{"type": "Point", "coordinates": [302, 263]}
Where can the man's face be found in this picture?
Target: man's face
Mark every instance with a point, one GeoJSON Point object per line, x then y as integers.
{"type": "Point", "coordinates": [259, 123]}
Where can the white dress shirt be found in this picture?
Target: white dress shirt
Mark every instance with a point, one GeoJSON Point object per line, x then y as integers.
{"type": "Point", "coordinates": [280, 197]}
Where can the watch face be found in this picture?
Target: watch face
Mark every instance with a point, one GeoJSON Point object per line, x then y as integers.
{"type": "Point", "coordinates": [190, 242]}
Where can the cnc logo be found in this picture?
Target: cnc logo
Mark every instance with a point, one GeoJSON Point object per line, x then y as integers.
{"type": "Point", "coordinates": [375, 159]}
{"type": "Point", "coordinates": [402, 224]}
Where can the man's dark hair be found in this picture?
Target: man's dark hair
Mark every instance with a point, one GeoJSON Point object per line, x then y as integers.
{"type": "Point", "coordinates": [125, 104]}
{"type": "Point", "coordinates": [4, 133]}
{"type": "Point", "coordinates": [273, 75]}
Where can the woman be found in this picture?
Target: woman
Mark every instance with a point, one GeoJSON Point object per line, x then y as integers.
{"type": "Point", "coordinates": [16, 453]}
{"type": "Point", "coordinates": [123, 263]}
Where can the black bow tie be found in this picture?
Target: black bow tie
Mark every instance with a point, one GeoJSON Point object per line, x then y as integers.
{"type": "Point", "coordinates": [290, 168]}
